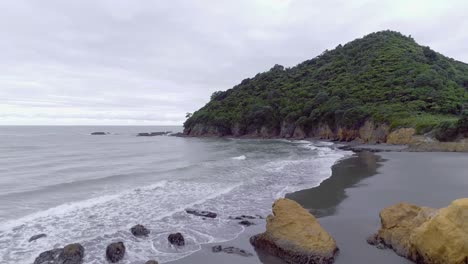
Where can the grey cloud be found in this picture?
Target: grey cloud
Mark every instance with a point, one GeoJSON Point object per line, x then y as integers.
{"type": "Point", "coordinates": [95, 61]}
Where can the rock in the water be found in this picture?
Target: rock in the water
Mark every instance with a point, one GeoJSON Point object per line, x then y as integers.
{"type": "Point", "coordinates": [36, 237]}
{"type": "Point", "coordinates": [152, 134]}
{"type": "Point", "coordinates": [151, 262]}
{"type": "Point", "coordinates": [115, 252]}
{"type": "Point", "coordinates": [246, 223]}
{"type": "Point", "coordinates": [71, 254]}
{"type": "Point", "coordinates": [201, 213]}
{"type": "Point", "coordinates": [427, 235]}
{"type": "Point", "coordinates": [49, 257]}
{"type": "Point", "coordinates": [176, 239]}
{"type": "Point", "coordinates": [216, 249]}
{"type": "Point", "coordinates": [139, 230]}
{"type": "Point", "coordinates": [295, 236]}
{"type": "Point", "coordinates": [99, 133]}
{"type": "Point", "coordinates": [231, 250]}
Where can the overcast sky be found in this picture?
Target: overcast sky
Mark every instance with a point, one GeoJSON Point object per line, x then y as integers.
{"type": "Point", "coordinates": [115, 62]}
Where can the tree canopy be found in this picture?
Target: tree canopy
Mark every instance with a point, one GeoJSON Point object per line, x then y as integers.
{"type": "Point", "coordinates": [384, 76]}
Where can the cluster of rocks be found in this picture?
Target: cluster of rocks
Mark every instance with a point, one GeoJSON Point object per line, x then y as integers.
{"type": "Point", "coordinates": [115, 252]}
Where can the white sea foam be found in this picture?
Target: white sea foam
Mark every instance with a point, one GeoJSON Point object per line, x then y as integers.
{"type": "Point", "coordinates": [241, 157]}
{"type": "Point", "coordinates": [96, 222]}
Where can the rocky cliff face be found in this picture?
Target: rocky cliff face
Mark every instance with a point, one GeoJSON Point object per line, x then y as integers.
{"type": "Point", "coordinates": [369, 132]}
{"type": "Point", "coordinates": [426, 235]}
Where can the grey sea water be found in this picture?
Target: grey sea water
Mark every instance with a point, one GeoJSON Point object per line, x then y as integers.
{"type": "Point", "coordinates": [75, 187]}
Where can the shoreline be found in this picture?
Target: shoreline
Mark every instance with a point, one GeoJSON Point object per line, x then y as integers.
{"type": "Point", "coordinates": [419, 145]}
{"type": "Point", "coordinates": [347, 203]}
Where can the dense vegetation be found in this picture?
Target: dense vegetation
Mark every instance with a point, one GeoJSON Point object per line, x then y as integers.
{"type": "Point", "coordinates": [385, 76]}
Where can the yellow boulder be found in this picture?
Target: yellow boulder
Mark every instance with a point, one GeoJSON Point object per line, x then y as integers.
{"type": "Point", "coordinates": [295, 235]}
{"type": "Point", "coordinates": [426, 235]}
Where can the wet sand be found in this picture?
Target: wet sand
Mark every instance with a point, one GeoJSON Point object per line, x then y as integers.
{"type": "Point", "coordinates": [348, 203]}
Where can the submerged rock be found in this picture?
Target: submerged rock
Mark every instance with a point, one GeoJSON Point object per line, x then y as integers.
{"type": "Point", "coordinates": [115, 252]}
{"type": "Point", "coordinates": [427, 235]}
{"type": "Point", "coordinates": [176, 239]}
{"type": "Point", "coordinates": [295, 236]}
{"type": "Point", "coordinates": [70, 254]}
{"type": "Point", "coordinates": [36, 237]}
{"type": "Point", "coordinates": [151, 262]}
{"type": "Point", "coordinates": [139, 231]}
{"type": "Point", "coordinates": [231, 250]}
{"type": "Point", "coordinates": [201, 213]}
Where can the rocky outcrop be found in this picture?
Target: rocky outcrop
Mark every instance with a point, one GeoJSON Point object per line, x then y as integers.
{"type": "Point", "coordinates": [295, 236]}
{"type": "Point", "coordinates": [70, 254]}
{"type": "Point", "coordinates": [201, 213]}
{"type": "Point", "coordinates": [36, 237]}
{"type": "Point", "coordinates": [426, 235]}
{"type": "Point", "coordinates": [115, 252]}
{"type": "Point", "coordinates": [246, 223]}
{"type": "Point", "coordinates": [401, 136]}
{"type": "Point", "coordinates": [176, 239]}
{"type": "Point", "coordinates": [139, 231]}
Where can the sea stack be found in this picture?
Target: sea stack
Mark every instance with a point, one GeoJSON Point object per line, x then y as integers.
{"type": "Point", "coordinates": [295, 236]}
{"type": "Point", "coordinates": [426, 235]}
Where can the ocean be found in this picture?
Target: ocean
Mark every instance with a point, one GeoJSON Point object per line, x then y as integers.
{"type": "Point", "coordinates": [79, 188]}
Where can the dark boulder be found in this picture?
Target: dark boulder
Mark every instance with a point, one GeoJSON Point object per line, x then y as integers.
{"type": "Point", "coordinates": [201, 213]}
{"type": "Point", "coordinates": [71, 254]}
{"type": "Point", "coordinates": [139, 231]}
{"type": "Point", "coordinates": [246, 223]}
{"type": "Point", "coordinates": [176, 239]}
{"type": "Point", "coordinates": [99, 133]}
{"type": "Point", "coordinates": [36, 237]}
{"type": "Point", "coordinates": [151, 262]}
{"type": "Point", "coordinates": [49, 257]}
{"type": "Point", "coordinates": [115, 252]}
{"type": "Point", "coordinates": [216, 249]}
{"type": "Point", "coordinates": [231, 250]}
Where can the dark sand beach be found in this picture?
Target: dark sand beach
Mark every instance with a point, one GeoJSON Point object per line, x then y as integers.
{"type": "Point", "coordinates": [348, 203]}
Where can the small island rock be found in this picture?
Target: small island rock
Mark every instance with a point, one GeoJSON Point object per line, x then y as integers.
{"type": "Point", "coordinates": [115, 252]}
{"type": "Point", "coordinates": [139, 231]}
{"type": "Point", "coordinates": [176, 239]}
{"type": "Point", "coordinates": [427, 235]}
{"type": "Point", "coordinates": [295, 236]}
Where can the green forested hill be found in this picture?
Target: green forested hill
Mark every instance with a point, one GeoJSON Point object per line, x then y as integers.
{"type": "Point", "coordinates": [385, 77]}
